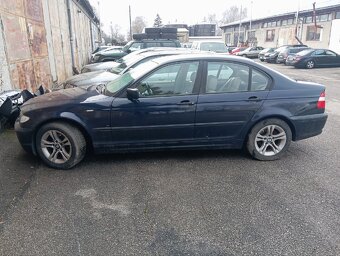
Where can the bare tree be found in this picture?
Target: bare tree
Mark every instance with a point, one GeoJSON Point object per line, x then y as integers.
{"type": "Point", "coordinates": [138, 25]}
{"type": "Point", "coordinates": [211, 18]}
{"type": "Point", "coordinates": [233, 13]}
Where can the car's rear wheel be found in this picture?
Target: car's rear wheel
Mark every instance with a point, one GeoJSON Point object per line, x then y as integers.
{"type": "Point", "coordinates": [60, 145]}
{"type": "Point", "coordinates": [269, 139]}
{"type": "Point", "coordinates": [310, 64]}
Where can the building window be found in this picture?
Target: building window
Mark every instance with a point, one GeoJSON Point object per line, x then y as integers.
{"type": "Point", "coordinates": [265, 24]}
{"type": "Point", "coordinates": [309, 19]}
{"type": "Point", "coordinates": [325, 17]}
{"type": "Point", "coordinates": [284, 22]}
{"type": "Point", "coordinates": [228, 39]}
{"type": "Point", "coordinates": [255, 26]}
{"type": "Point", "coordinates": [251, 35]}
{"type": "Point", "coordinates": [229, 30]}
{"type": "Point", "coordinates": [337, 15]}
{"type": "Point", "coordinates": [290, 21]}
{"type": "Point", "coordinates": [270, 35]}
{"type": "Point", "coordinates": [313, 33]}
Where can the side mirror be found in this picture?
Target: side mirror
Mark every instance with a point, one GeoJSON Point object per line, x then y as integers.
{"type": "Point", "coordinates": [132, 93]}
{"type": "Point", "coordinates": [128, 51]}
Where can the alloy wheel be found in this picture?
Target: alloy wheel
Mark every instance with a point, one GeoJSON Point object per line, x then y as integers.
{"type": "Point", "coordinates": [270, 140]}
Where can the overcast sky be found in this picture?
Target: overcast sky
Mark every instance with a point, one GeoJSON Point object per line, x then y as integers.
{"type": "Point", "coordinates": [192, 12]}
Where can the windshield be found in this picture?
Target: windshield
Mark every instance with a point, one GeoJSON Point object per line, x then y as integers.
{"type": "Point", "coordinates": [127, 46]}
{"type": "Point", "coordinates": [124, 63]}
{"type": "Point", "coordinates": [304, 52]}
{"type": "Point", "coordinates": [126, 79]}
{"type": "Point", "coordinates": [213, 46]}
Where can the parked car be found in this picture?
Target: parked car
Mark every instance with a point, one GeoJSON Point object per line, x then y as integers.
{"type": "Point", "coordinates": [100, 48]}
{"type": "Point", "coordinates": [107, 50]}
{"type": "Point", "coordinates": [312, 58]}
{"type": "Point", "coordinates": [237, 49]}
{"type": "Point", "coordinates": [272, 57]}
{"type": "Point", "coordinates": [250, 52]}
{"type": "Point", "coordinates": [265, 51]}
{"type": "Point", "coordinates": [184, 101]}
{"type": "Point", "coordinates": [282, 57]}
{"type": "Point", "coordinates": [120, 67]}
{"type": "Point", "coordinates": [100, 66]}
{"type": "Point", "coordinates": [213, 46]}
{"type": "Point", "coordinates": [133, 46]}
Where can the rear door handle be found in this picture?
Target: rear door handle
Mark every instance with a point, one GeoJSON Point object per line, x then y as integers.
{"type": "Point", "coordinates": [186, 102]}
{"type": "Point", "coordinates": [254, 98]}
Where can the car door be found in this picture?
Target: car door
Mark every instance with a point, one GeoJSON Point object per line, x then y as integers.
{"type": "Point", "coordinates": [165, 111]}
{"type": "Point", "coordinates": [320, 58]}
{"type": "Point", "coordinates": [332, 59]}
{"type": "Point", "coordinates": [224, 109]}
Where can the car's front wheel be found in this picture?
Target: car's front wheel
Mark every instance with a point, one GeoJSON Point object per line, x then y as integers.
{"type": "Point", "coordinates": [269, 139]}
{"type": "Point", "coordinates": [60, 145]}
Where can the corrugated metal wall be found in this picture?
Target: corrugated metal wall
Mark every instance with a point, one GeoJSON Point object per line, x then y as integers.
{"type": "Point", "coordinates": [35, 43]}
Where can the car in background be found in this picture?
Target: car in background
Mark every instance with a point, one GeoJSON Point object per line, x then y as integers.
{"type": "Point", "coordinates": [272, 57]}
{"type": "Point", "coordinates": [312, 58]}
{"type": "Point", "coordinates": [100, 48]}
{"type": "Point", "coordinates": [250, 52]}
{"type": "Point", "coordinates": [237, 49]}
{"type": "Point", "coordinates": [135, 45]}
{"type": "Point", "coordinates": [107, 49]}
{"type": "Point", "coordinates": [283, 55]}
{"type": "Point", "coordinates": [265, 51]}
{"type": "Point", "coordinates": [213, 46]}
{"type": "Point", "coordinates": [110, 64]}
{"type": "Point", "coordinates": [187, 101]}
{"type": "Point", "coordinates": [120, 67]}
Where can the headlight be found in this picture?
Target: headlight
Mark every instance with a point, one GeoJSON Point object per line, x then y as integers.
{"type": "Point", "coordinates": [23, 119]}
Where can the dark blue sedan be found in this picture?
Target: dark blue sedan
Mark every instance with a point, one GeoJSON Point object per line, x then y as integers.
{"type": "Point", "coordinates": [178, 102]}
{"type": "Point", "coordinates": [312, 58]}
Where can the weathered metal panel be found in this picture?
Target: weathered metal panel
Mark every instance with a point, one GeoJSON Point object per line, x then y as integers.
{"type": "Point", "coordinates": [16, 37]}
{"type": "Point", "coordinates": [37, 39]}
{"type": "Point", "coordinates": [13, 6]}
{"type": "Point", "coordinates": [33, 10]}
{"type": "Point", "coordinates": [5, 81]}
{"type": "Point", "coordinates": [42, 72]}
{"type": "Point", "coordinates": [22, 74]}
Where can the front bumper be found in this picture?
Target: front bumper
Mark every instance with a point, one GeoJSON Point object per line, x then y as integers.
{"type": "Point", "coordinates": [308, 126]}
{"type": "Point", "coordinates": [25, 137]}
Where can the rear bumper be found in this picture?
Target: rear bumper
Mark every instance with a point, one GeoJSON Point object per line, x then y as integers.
{"type": "Point", "coordinates": [25, 137]}
{"type": "Point", "coordinates": [308, 126]}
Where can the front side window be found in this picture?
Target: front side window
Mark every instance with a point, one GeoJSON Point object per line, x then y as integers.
{"type": "Point", "coordinates": [173, 79]}
{"type": "Point", "coordinates": [226, 77]}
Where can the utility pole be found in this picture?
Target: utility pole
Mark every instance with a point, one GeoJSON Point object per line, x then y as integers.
{"type": "Point", "coordinates": [130, 22]}
{"type": "Point", "coordinates": [239, 28]}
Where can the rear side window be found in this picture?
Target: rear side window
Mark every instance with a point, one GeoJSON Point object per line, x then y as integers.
{"type": "Point", "coordinates": [259, 81]}
{"type": "Point", "coordinates": [169, 44]}
{"type": "Point", "coordinates": [152, 44]}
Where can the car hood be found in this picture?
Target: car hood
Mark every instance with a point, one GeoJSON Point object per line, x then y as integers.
{"type": "Point", "coordinates": [91, 78]}
{"type": "Point", "coordinates": [112, 53]}
{"type": "Point", "coordinates": [59, 98]}
{"type": "Point", "coordinates": [101, 66]}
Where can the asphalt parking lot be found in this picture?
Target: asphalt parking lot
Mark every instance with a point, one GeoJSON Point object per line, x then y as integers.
{"type": "Point", "coordinates": [179, 203]}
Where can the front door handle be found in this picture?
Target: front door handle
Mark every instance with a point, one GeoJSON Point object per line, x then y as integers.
{"type": "Point", "coordinates": [186, 102]}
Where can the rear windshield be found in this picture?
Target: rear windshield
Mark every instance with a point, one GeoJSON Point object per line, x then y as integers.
{"type": "Point", "coordinates": [213, 46]}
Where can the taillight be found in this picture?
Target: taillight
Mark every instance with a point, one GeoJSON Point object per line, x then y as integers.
{"type": "Point", "coordinates": [321, 104]}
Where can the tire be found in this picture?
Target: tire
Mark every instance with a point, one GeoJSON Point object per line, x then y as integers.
{"type": "Point", "coordinates": [310, 64]}
{"type": "Point", "coordinates": [263, 138]}
{"type": "Point", "coordinates": [261, 60]}
{"type": "Point", "coordinates": [64, 138]}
